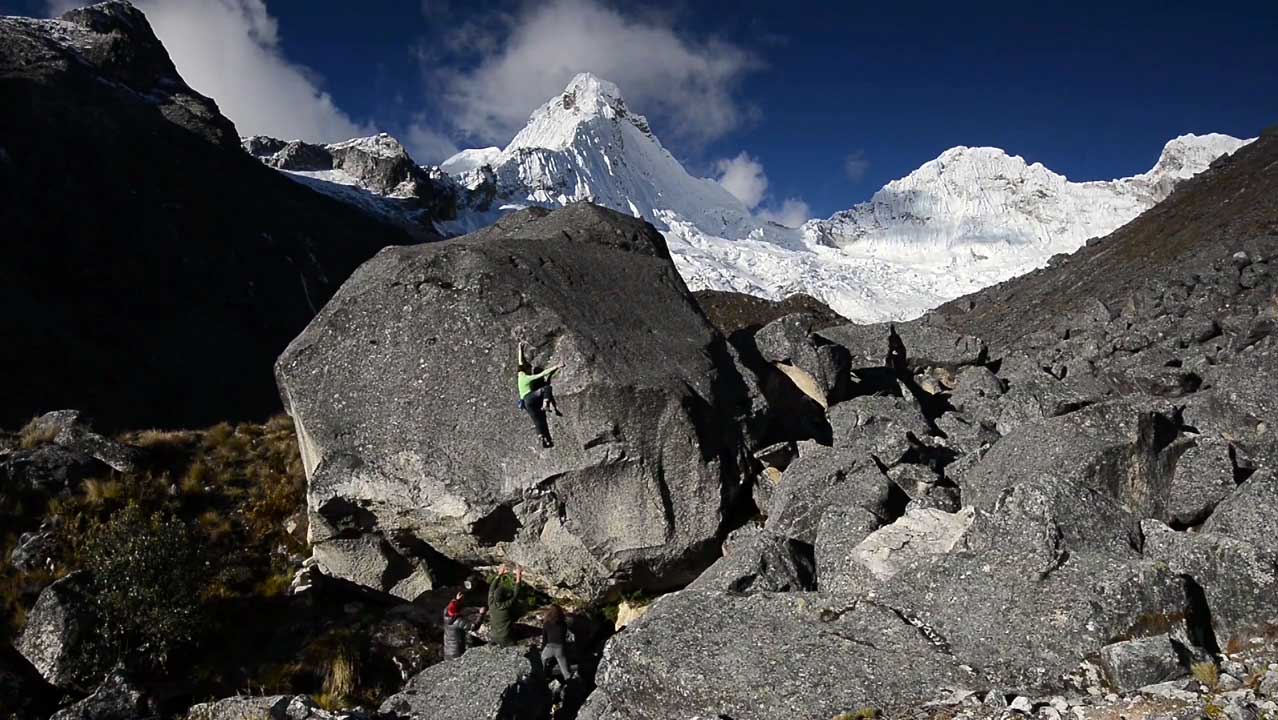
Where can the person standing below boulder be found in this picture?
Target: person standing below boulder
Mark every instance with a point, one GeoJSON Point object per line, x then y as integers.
{"type": "Point", "coordinates": [501, 607]}
{"type": "Point", "coordinates": [536, 396]}
{"type": "Point", "coordinates": [456, 628]}
{"type": "Point", "coordinates": [896, 358]}
{"type": "Point", "coordinates": [554, 636]}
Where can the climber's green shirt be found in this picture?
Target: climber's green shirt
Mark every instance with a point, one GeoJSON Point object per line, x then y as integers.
{"type": "Point", "coordinates": [526, 381]}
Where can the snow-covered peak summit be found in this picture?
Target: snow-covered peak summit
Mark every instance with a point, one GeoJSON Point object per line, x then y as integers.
{"type": "Point", "coordinates": [586, 100]}
{"type": "Point", "coordinates": [1187, 155]}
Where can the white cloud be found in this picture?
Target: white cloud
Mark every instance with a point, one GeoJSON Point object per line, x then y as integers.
{"type": "Point", "coordinates": [229, 50]}
{"type": "Point", "coordinates": [856, 165]}
{"type": "Point", "coordinates": [792, 213]}
{"type": "Point", "coordinates": [426, 144]}
{"type": "Point", "coordinates": [743, 176]}
{"type": "Point", "coordinates": [659, 71]}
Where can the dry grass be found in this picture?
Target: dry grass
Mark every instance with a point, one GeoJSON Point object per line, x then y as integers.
{"type": "Point", "coordinates": [100, 492]}
{"type": "Point", "coordinates": [1207, 674]}
{"type": "Point", "coordinates": [35, 433]}
{"type": "Point", "coordinates": [342, 676]}
{"type": "Point", "coordinates": [235, 486]}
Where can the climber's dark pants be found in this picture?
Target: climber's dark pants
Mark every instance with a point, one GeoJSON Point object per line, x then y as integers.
{"type": "Point", "coordinates": [535, 404]}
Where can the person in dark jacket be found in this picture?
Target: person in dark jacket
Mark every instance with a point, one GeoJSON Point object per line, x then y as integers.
{"type": "Point", "coordinates": [457, 627]}
{"type": "Point", "coordinates": [896, 358]}
{"type": "Point", "coordinates": [501, 607]}
{"type": "Point", "coordinates": [536, 395]}
{"type": "Point", "coordinates": [554, 637]}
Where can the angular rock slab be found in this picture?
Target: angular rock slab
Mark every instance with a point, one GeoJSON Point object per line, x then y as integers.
{"type": "Point", "coordinates": [917, 536]}
{"type": "Point", "coordinates": [485, 683]}
{"type": "Point", "coordinates": [925, 345]}
{"type": "Point", "coordinates": [403, 394]}
{"type": "Point", "coordinates": [789, 655]}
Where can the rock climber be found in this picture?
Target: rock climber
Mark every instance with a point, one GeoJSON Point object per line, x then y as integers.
{"type": "Point", "coordinates": [502, 595]}
{"type": "Point", "coordinates": [554, 636]}
{"type": "Point", "coordinates": [536, 396]}
{"type": "Point", "coordinates": [457, 627]}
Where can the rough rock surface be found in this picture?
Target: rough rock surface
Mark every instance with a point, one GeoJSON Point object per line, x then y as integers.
{"type": "Point", "coordinates": [272, 707]}
{"type": "Point", "coordinates": [1112, 450]}
{"type": "Point", "coordinates": [767, 656]}
{"type": "Point", "coordinates": [917, 536]}
{"type": "Point", "coordinates": [403, 392]}
{"type": "Point", "coordinates": [115, 698]}
{"type": "Point", "coordinates": [927, 345]}
{"type": "Point", "coordinates": [157, 283]}
{"type": "Point", "coordinates": [1132, 664]}
{"type": "Point", "coordinates": [818, 366]}
{"type": "Point", "coordinates": [759, 561]}
{"type": "Point", "coordinates": [487, 682]}
{"type": "Point", "coordinates": [55, 627]}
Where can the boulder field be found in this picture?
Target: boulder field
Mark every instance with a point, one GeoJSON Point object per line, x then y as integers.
{"type": "Point", "coordinates": [1082, 509]}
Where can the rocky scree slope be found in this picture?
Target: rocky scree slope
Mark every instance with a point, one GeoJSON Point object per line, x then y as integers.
{"type": "Point", "coordinates": [152, 269]}
{"type": "Point", "coordinates": [1064, 513]}
{"type": "Point", "coordinates": [403, 392]}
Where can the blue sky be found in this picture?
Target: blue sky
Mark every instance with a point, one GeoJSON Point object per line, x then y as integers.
{"type": "Point", "coordinates": [830, 100]}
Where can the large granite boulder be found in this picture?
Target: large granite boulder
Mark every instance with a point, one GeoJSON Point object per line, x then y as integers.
{"type": "Point", "coordinates": [486, 683]}
{"type": "Point", "coordinates": [403, 394]}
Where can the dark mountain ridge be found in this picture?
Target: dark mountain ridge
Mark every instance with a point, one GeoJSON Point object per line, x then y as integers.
{"type": "Point", "coordinates": [153, 269]}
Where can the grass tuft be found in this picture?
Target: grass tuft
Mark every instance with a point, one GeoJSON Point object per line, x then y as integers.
{"type": "Point", "coordinates": [1207, 674]}
{"type": "Point", "coordinates": [35, 433]}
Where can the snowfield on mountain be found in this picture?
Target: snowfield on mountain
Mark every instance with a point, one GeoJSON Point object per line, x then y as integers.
{"type": "Point", "coordinates": [971, 218]}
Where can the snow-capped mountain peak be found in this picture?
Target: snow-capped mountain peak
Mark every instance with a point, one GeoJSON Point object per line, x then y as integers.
{"type": "Point", "coordinates": [586, 144]}
{"type": "Point", "coordinates": [969, 218]}
{"type": "Point", "coordinates": [554, 126]}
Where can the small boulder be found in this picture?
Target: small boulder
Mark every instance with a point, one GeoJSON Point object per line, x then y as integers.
{"type": "Point", "coordinates": [34, 550]}
{"type": "Point", "coordinates": [792, 341]}
{"type": "Point", "coordinates": [487, 682]}
{"type": "Point", "coordinates": [116, 698]}
{"type": "Point", "coordinates": [1203, 476]}
{"type": "Point", "coordinates": [759, 561]}
{"type": "Point", "coordinates": [272, 707]}
{"type": "Point", "coordinates": [56, 626]}
{"type": "Point", "coordinates": [48, 469]}
{"type": "Point", "coordinates": [1131, 664]}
